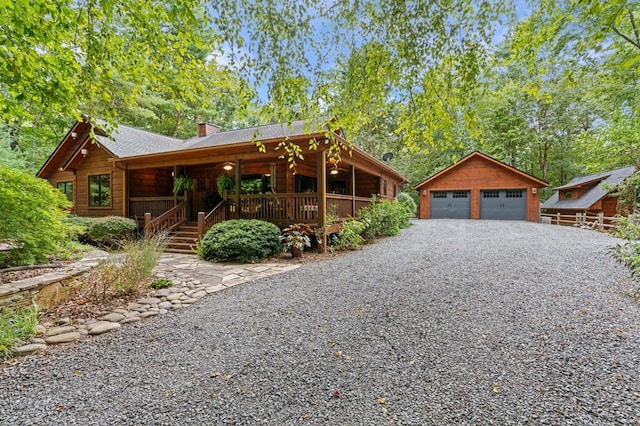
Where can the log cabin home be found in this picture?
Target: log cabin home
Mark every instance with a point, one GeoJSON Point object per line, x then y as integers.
{"type": "Point", "coordinates": [131, 173]}
{"type": "Point", "coordinates": [590, 194]}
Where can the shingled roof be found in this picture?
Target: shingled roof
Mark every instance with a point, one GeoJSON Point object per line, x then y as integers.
{"type": "Point", "coordinates": [607, 180]}
{"type": "Point", "coordinates": [125, 141]}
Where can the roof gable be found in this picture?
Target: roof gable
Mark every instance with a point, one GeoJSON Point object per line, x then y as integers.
{"type": "Point", "coordinates": [483, 157]}
{"type": "Point", "coordinates": [605, 180]}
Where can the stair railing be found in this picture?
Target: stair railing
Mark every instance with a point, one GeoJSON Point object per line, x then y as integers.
{"type": "Point", "coordinates": [167, 221]}
{"type": "Point", "coordinates": [216, 215]}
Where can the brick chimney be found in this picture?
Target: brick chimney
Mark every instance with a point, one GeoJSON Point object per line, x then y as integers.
{"type": "Point", "coordinates": [206, 129]}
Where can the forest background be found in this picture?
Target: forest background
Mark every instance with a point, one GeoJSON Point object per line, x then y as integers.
{"type": "Point", "coordinates": [550, 87]}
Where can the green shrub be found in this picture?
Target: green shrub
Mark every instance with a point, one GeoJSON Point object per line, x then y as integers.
{"type": "Point", "coordinates": [628, 253]}
{"type": "Point", "coordinates": [15, 325]}
{"type": "Point", "coordinates": [161, 283]}
{"type": "Point", "coordinates": [408, 203]}
{"type": "Point", "coordinates": [111, 230]}
{"type": "Point", "coordinates": [382, 218]}
{"type": "Point", "coordinates": [240, 241]}
{"type": "Point", "coordinates": [80, 227]}
{"type": "Point", "coordinates": [33, 214]}
{"type": "Point", "coordinates": [349, 237]}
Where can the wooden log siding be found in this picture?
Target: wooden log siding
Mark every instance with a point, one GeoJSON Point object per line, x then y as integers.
{"type": "Point", "coordinates": [97, 163]}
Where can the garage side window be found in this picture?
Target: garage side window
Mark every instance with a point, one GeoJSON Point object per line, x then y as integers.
{"type": "Point", "coordinates": [514, 194]}
{"type": "Point", "coordinates": [100, 191]}
{"type": "Point", "coordinates": [439, 194]}
{"type": "Point", "coordinates": [491, 194]}
{"type": "Point", "coordinates": [460, 194]}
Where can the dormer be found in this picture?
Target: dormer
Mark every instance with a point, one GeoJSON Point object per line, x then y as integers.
{"type": "Point", "coordinates": [576, 190]}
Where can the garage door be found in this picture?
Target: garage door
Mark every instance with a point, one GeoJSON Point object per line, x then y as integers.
{"type": "Point", "coordinates": [450, 205]}
{"type": "Point", "coordinates": [503, 204]}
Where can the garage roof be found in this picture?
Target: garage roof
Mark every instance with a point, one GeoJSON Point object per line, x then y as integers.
{"type": "Point", "coordinates": [474, 154]}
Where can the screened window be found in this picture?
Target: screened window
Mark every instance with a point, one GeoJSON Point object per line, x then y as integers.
{"type": "Point", "coordinates": [66, 188]}
{"type": "Point", "coordinates": [100, 191]}
{"type": "Point", "coordinates": [514, 194]}
{"type": "Point", "coordinates": [567, 195]}
{"type": "Point", "coordinates": [384, 187]}
{"type": "Point", "coordinates": [491, 194]}
{"type": "Point", "coordinates": [439, 194]}
{"type": "Point", "coordinates": [460, 194]}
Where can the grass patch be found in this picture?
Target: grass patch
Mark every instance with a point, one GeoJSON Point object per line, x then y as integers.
{"type": "Point", "coordinates": [161, 283]}
{"type": "Point", "coordinates": [16, 325]}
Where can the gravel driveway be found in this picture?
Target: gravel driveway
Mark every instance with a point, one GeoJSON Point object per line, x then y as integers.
{"type": "Point", "coordinates": [452, 322]}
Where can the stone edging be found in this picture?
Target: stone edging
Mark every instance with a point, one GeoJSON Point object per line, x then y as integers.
{"type": "Point", "coordinates": [22, 292]}
{"type": "Point", "coordinates": [193, 279]}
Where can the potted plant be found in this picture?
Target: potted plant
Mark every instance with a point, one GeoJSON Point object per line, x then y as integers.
{"type": "Point", "coordinates": [296, 237]}
{"type": "Point", "coordinates": [225, 184]}
{"type": "Point", "coordinates": [181, 184]}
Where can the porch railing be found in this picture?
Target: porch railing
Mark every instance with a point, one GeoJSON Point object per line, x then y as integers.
{"type": "Point", "coordinates": [346, 205]}
{"type": "Point", "coordinates": [167, 221]}
{"type": "Point", "coordinates": [277, 208]}
{"type": "Point", "coordinates": [217, 215]}
{"type": "Point", "coordinates": [138, 206]}
{"type": "Point", "coordinates": [161, 213]}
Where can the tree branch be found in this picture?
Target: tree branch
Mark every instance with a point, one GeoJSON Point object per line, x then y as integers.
{"type": "Point", "coordinates": [635, 27]}
{"type": "Point", "coordinates": [628, 39]}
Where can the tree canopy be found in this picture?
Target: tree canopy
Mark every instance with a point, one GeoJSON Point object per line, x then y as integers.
{"type": "Point", "coordinates": [548, 86]}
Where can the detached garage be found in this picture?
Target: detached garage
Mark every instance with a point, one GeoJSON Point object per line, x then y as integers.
{"type": "Point", "coordinates": [480, 187]}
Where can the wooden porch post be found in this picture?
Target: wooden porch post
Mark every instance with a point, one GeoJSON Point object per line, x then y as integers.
{"type": "Point", "coordinates": [175, 195]}
{"type": "Point", "coordinates": [200, 224]}
{"type": "Point", "coordinates": [147, 224]}
{"type": "Point", "coordinates": [125, 192]}
{"type": "Point", "coordinates": [321, 171]}
{"type": "Point", "coordinates": [238, 178]}
{"type": "Point", "coordinates": [353, 190]}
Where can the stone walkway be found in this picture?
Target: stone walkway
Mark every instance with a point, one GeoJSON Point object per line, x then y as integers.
{"type": "Point", "coordinates": [192, 278]}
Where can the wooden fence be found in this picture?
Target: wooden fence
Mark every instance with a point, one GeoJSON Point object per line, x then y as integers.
{"type": "Point", "coordinates": [598, 221]}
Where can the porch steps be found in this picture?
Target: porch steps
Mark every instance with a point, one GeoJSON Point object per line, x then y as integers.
{"type": "Point", "coordinates": [184, 239]}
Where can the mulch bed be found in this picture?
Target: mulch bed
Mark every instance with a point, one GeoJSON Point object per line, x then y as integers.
{"type": "Point", "coordinates": [9, 275]}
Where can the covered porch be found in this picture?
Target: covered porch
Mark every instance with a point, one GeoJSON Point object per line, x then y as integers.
{"type": "Point", "coordinates": [264, 188]}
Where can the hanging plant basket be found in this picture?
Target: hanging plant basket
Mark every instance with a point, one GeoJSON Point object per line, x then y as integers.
{"type": "Point", "coordinates": [182, 184]}
{"type": "Point", "coordinates": [225, 184]}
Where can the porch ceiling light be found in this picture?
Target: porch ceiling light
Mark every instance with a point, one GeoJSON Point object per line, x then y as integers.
{"type": "Point", "coordinates": [334, 171]}
{"type": "Point", "coordinates": [228, 166]}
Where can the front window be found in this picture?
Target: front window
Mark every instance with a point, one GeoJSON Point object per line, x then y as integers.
{"type": "Point", "coordinates": [100, 191]}
{"type": "Point", "coordinates": [66, 188]}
